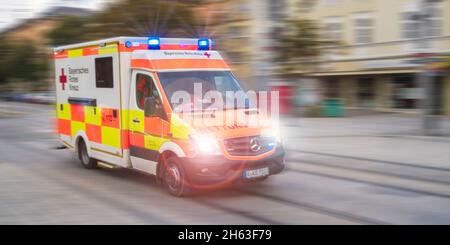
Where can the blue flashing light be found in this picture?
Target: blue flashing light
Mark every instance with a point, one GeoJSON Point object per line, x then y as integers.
{"type": "Point", "coordinates": [154, 43]}
{"type": "Point", "coordinates": [128, 44]}
{"type": "Point", "coordinates": [203, 44]}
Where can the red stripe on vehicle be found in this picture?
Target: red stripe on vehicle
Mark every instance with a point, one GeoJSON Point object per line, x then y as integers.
{"type": "Point", "coordinates": [125, 139]}
{"type": "Point", "coordinates": [137, 139]}
{"type": "Point", "coordinates": [110, 117]}
{"type": "Point", "coordinates": [77, 112]}
{"type": "Point", "coordinates": [64, 127]}
{"type": "Point", "coordinates": [94, 133]}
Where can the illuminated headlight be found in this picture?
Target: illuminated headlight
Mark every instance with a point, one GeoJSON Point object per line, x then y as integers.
{"type": "Point", "coordinates": [205, 144]}
{"type": "Point", "coordinates": [272, 136]}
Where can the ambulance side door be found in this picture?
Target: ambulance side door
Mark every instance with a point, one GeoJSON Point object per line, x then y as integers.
{"type": "Point", "coordinates": [147, 125]}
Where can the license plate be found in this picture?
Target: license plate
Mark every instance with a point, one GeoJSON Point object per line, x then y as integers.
{"type": "Point", "coordinates": [250, 174]}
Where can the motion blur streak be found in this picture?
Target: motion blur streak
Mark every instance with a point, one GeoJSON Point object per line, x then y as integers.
{"type": "Point", "coordinates": [364, 92]}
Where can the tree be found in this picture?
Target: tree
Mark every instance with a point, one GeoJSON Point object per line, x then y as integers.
{"type": "Point", "coordinates": [145, 18]}
{"type": "Point", "coordinates": [4, 51]}
{"type": "Point", "coordinates": [21, 62]}
{"type": "Point", "coordinates": [69, 30]}
{"type": "Point", "coordinates": [299, 45]}
{"type": "Point", "coordinates": [128, 18]}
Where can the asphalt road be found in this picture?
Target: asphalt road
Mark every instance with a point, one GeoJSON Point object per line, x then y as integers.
{"type": "Point", "coordinates": [329, 179]}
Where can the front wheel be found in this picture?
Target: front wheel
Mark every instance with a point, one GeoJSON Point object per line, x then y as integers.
{"type": "Point", "coordinates": [83, 155]}
{"type": "Point", "coordinates": [174, 177]}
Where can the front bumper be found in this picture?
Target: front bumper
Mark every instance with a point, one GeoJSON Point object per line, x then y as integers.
{"type": "Point", "coordinates": [212, 171]}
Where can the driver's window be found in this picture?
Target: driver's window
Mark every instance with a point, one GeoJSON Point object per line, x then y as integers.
{"type": "Point", "coordinates": [144, 84]}
{"type": "Point", "coordinates": [146, 91]}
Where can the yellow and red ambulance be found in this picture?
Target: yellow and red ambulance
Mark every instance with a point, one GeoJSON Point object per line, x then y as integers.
{"type": "Point", "coordinates": [114, 108]}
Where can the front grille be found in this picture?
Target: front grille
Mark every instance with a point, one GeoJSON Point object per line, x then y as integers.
{"type": "Point", "coordinates": [242, 147]}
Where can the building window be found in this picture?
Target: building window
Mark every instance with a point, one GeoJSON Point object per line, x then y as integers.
{"type": "Point", "coordinates": [332, 2]}
{"type": "Point", "coordinates": [429, 20]}
{"type": "Point", "coordinates": [366, 92]}
{"type": "Point", "coordinates": [363, 28]}
{"type": "Point", "coordinates": [332, 88]}
{"type": "Point", "coordinates": [276, 9]}
{"type": "Point", "coordinates": [104, 72]}
{"type": "Point", "coordinates": [410, 23]}
{"type": "Point", "coordinates": [333, 29]}
{"type": "Point", "coordinates": [433, 20]}
{"type": "Point", "coordinates": [406, 94]}
{"type": "Point", "coordinates": [437, 92]}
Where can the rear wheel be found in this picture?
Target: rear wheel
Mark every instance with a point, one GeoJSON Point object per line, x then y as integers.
{"type": "Point", "coordinates": [83, 155]}
{"type": "Point", "coordinates": [174, 177]}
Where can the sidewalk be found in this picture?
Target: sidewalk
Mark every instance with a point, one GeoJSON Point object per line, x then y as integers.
{"type": "Point", "coordinates": [380, 124]}
{"type": "Point", "coordinates": [384, 137]}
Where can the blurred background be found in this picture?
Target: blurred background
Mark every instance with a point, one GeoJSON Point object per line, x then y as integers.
{"type": "Point", "coordinates": [365, 98]}
{"type": "Point", "coordinates": [323, 56]}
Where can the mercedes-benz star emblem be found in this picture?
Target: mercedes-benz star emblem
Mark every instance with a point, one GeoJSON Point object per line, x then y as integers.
{"type": "Point", "coordinates": [255, 145]}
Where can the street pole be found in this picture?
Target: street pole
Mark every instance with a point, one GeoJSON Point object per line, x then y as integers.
{"type": "Point", "coordinates": [430, 122]}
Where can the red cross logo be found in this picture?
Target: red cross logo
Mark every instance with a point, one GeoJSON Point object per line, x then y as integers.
{"type": "Point", "coordinates": [63, 79]}
{"type": "Point", "coordinates": [207, 55]}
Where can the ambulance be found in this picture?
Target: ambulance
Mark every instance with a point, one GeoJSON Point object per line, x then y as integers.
{"type": "Point", "coordinates": [115, 108]}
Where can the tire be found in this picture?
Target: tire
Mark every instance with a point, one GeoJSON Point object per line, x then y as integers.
{"type": "Point", "coordinates": [86, 161]}
{"type": "Point", "coordinates": [174, 177]}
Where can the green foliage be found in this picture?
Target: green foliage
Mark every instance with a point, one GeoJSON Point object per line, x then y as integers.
{"type": "Point", "coordinates": [69, 30]}
{"type": "Point", "coordinates": [21, 62]}
{"type": "Point", "coordinates": [24, 62]}
{"type": "Point", "coordinates": [298, 43]}
{"type": "Point", "coordinates": [128, 18]}
{"type": "Point", "coordinates": [4, 48]}
{"type": "Point", "coordinates": [148, 17]}
{"type": "Point", "coordinates": [300, 40]}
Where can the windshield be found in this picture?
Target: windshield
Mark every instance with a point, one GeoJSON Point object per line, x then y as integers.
{"type": "Point", "coordinates": [209, 89]}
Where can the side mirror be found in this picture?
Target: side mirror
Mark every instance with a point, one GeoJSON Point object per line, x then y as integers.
{"type": "Point", "coordinates": [153, 108]}
{"type": "Point", "coordinates": [149, 106]}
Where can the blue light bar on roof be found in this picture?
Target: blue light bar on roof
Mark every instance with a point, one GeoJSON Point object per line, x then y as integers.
{"type": "Point", "coordinates": [154, 43]}
{"type": "Point", "coordinates": [204, 44]}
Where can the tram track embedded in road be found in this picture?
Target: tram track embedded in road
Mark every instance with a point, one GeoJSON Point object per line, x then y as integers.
{"type": "Point", "coordinates": [339, 166]}
{"type": "Point", "coordinates": [283, 201]}
{"type": "Point", "coordinates": [238, 212]}
{"type": "Point", "coordinates": [316, 209]}
{"type": "Point", "coordinates": [399, 188]}
{"type": "Point", "coordinates": [371, 160]}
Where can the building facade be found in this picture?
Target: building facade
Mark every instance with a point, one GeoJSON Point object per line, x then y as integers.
{"type": "Point", "coordinates": [386, 53]}
{"type": "Point", "coordinates": [243, 30]}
